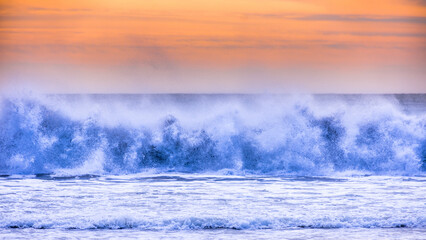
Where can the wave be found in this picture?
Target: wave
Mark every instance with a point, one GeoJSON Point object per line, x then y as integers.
{"type": "Point", "coordinates": [238, 134]}
{"type": "Point", "coordinates": [197, 223]}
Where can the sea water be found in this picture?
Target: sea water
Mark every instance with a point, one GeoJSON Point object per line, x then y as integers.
{"type": "Point", "coordinates": [213, 166]}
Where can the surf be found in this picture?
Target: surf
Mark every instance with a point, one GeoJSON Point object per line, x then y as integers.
{"type": "Point", "coordinates": [229, 134]}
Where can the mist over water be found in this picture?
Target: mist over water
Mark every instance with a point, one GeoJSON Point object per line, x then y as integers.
{"type": "Point", "coordinates": [225, 134]}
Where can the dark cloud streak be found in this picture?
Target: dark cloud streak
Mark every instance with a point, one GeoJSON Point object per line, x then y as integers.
{"type": "Point", "coordinates": [419, 2]}
{"type": "Point", "coordinates": [346, 18]}
{"type": "Point", "coordinates": [84, 16]}
{"type": "Point", "coordinates": [364, 18]}
{"type": "Point", "coordinates": [378, 34]}
{"type": "Point", "coordinates": [59, 9]}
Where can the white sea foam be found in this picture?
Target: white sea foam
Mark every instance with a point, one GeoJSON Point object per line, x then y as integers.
{"type": "Point", "coordinates": [257, 134]}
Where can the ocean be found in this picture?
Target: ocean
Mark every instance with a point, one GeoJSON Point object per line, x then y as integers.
{"type": "Point", "coordinates": [212, 166]}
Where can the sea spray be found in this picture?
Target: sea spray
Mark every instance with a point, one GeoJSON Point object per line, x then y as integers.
{"type": "Point", "coordinates": [257, 134]}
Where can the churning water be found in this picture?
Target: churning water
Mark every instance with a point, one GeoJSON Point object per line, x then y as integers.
{"type": "Point", "coordinates": [213, 166]}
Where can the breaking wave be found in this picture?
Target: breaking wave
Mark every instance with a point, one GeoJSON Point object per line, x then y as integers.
{"type": "Point", "coordinates": [238, 134]}
{"type": "Point", "coordinates": [196, 223]}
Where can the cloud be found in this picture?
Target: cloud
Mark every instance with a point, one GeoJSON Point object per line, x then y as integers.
{"type": "Point", "coordinates": [347, 18]}
{"type": "Point", "coordinates": [50, 14]}
{"type": "Point", "coordinates": [364, 18]}
{"type": "Point", "coordinates": [32, 32]}
{"type": "Point", "coordinates": [43, 9]}
{"type": "Point", "coordinates": [59, 9]}
{"type": "Point", "coordinates": [143, 47]}
{"type": "Point", "coordinates": [340, 46]}
{"type": "Point", "coordinates": [378, 34]}
{"type": "Point", "coordinates": [419, 2]}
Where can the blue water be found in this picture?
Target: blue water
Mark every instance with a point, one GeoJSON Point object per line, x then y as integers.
{"type": "Point", "coordinates": [213, 166]}
{"type": "Point", "coordinates": [270, 135]}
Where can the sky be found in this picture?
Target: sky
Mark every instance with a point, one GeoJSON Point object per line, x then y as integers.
{"type": "Point", "coordinates": [214, 46]}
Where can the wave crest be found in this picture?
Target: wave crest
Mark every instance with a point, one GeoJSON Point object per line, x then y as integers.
{"type": "Point", "coordinates": [249, 134]}
{"type": "Point", "coordinates": [194, 223]}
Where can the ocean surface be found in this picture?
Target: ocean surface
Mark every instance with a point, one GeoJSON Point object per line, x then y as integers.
{"type": "Point", "coordinates": [213, 166]}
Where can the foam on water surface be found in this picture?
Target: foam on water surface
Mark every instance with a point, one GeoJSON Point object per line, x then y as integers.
{"type": "Point", "coordinates": [212, 166]}
{"type": "Point", "coordinates": [203, 202]}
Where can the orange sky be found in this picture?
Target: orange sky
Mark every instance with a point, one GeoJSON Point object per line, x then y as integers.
{"type": "Point", "coordinates": [214, 46]}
